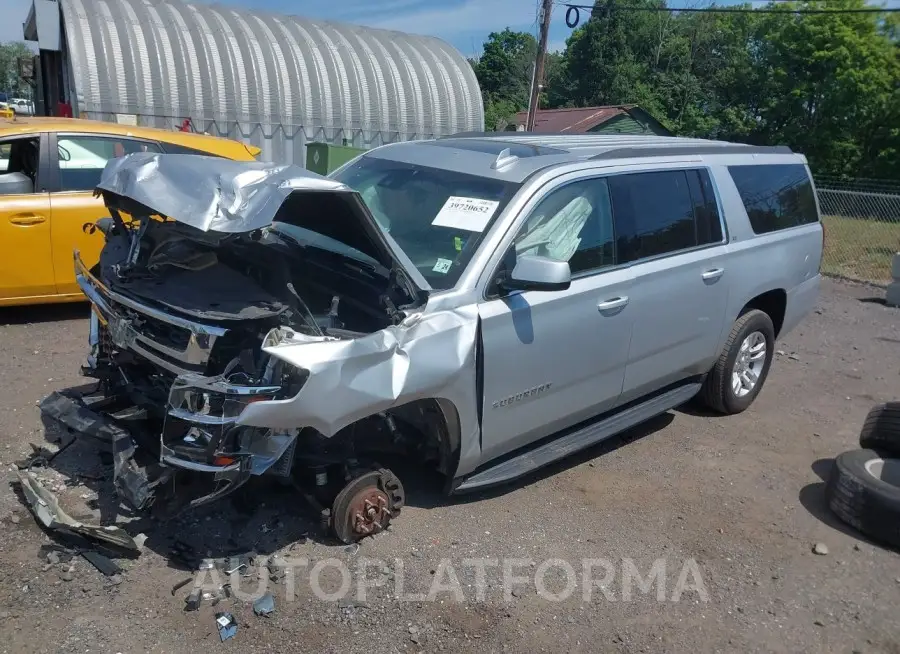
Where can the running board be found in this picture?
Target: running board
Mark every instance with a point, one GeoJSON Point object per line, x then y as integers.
{"type": "Point", "coordinates": [572, 442]}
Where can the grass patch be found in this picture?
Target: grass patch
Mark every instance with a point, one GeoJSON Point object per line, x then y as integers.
{"type": "Point", "coordinates": [861, 249]}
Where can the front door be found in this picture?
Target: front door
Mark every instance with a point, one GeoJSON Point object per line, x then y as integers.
{"type": "Point", "coordinates": [26, 263]}
{"type": "Point", "coordinates": [552, 359]}
{"type": "Point", "coordinates": [79, 160]}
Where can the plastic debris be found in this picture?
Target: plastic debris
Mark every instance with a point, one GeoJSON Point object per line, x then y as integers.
{"type": "Point", "coordinates": [104, 564]}
{"type": "Point", "coordinates": [264, 605]}
{"type": "Point", "coordinates": [192, 601]}
{"type": "Point", "coordinates": [227, 625]}
{"type": "Point", "coordinates": [45, 507]}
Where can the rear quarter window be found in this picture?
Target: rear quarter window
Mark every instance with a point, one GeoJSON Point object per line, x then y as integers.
{"type": "Point", "coordinates": [776, 197]}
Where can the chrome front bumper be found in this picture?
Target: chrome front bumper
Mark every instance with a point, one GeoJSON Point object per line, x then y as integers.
{"type": "Point", "coordinates": [121, 316]}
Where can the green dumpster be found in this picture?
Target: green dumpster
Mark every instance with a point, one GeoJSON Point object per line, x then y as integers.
{"type": "Point", "coordinates": [322, 158]}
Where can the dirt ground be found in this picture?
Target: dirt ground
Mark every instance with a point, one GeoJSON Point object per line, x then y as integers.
{"type": "Point", "coordinates": [732, 507]}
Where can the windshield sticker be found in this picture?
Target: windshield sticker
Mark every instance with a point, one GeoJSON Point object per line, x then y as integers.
{"type": "Point", "coordinates": [458, 243]}
{"type": "Point", "coordinates": [470, 214]}
{"type": "Point", "coordinates": [442, 266]}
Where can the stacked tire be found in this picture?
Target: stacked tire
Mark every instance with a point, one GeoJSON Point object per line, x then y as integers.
{"type": "Point", "coordinates": [863, 489]}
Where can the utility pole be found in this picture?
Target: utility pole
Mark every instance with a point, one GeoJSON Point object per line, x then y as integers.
{"type": "Point", "coordinates": [546, 11]}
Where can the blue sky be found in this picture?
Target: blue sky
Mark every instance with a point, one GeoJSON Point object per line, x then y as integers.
{"type": "Point", "coordinates": [464, 23]}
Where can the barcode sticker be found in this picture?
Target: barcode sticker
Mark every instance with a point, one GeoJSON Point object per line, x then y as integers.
{"type": "Point", "coordinates": [469, 214]}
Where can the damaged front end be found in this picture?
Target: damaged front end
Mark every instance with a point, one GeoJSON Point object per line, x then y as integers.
{"type": "Point", "coordinates": [203, 260]}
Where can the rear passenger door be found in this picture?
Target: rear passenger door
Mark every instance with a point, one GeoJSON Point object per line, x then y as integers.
{"type": "Point", "coordinates": [78, 162]}
{"type": "Point", "coordinates": [670, 233]}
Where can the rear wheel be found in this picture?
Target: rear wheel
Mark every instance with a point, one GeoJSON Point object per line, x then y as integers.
{"type": "Point", "coordinates": [739, 374]}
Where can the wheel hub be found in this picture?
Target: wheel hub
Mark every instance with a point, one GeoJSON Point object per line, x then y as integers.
{"type": "Point", "coordinates": [369, 511]}
{"type": "Point", "coordinates": [749, 364]}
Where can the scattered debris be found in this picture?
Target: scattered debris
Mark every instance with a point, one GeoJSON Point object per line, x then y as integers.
{"type": "Point", "coordinates": [68, 574]}
{"type": "Point", "coordinates": [104, 564]}
{"type": "Point", "coordinates": [47, 510]}
{"type": "Point", "coordinates": [192, 601]}
{"type": "Point", "coordinates": [821, 549]}
{"type": "Point", "coordinates": [352, 548]}
{"type": "Point", "coordinates": [227, 625]}
{"type": "Point", "coordinates": [139, 540]}
{"type": "Point", "coordinates": [40, 456]}
{"type": "Point", "coordinates": [181, 584]}
{"type": "Point", "coordinates": [793, 357]}
{"type": "Point", "coordinates": [264, 605]}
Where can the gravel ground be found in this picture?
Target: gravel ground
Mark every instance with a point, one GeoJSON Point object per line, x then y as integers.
{"type": "Point", "coordinates": [731, 506]}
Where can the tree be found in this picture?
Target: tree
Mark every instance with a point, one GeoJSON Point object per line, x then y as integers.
{"type": "Point", "coordinates": [9, 68]}
{"type": "Point", "coordinates": [504, 74]}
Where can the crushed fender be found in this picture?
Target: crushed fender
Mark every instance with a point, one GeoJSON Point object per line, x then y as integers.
{"type": "Point", "coordinates": [45, 507]}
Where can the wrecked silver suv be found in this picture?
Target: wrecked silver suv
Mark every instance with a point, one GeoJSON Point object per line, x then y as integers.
{"type": "Point", "coordinates": [480, 305]}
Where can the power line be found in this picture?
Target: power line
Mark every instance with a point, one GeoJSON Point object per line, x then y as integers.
{"type": "Point", "coordinates": [573, 16]}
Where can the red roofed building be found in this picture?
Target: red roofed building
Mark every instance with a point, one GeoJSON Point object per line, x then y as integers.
{"type": "Point", "coordinates": [617, 119]}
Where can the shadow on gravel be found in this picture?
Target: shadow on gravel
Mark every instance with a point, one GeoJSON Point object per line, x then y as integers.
{"type": "Point", "coordinates": [424, 490]}
{"type": "Point", "coordinates": [44, 313]}
{"type": "Point", "coordinates": [812, 497]}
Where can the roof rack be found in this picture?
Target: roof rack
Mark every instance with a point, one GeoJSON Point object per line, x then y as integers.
{"type": "Point", "coordinates": [462, 135]}
{"type": "Point", "coordinates": [682, 150]}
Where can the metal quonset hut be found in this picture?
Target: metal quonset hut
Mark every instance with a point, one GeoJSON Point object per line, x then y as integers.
{"type": "Point", "coordinates": [278, 82]}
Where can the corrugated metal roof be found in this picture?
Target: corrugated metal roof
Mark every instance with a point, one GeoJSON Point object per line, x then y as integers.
{"type": "Point", "coordinates": [572, 121]}
{"type": "Point", "coordinates": [164, 61]}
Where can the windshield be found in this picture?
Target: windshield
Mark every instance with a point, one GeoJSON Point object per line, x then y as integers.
{"type": "Point", "coordinates": [437, 217]}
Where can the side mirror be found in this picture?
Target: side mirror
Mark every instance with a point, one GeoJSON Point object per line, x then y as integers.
{"type": "Point", "coordinates": [535, 273]}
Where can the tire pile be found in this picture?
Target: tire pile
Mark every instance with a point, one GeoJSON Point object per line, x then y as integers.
{"type": "Point", "coordinates": [864, 487]}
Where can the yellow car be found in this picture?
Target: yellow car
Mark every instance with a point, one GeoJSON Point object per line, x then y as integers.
{"type": "Point", "coordinates": [48, 170]}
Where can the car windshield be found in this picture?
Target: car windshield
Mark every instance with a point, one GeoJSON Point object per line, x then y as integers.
{"type": "Point", "coordinates": [437, 217]}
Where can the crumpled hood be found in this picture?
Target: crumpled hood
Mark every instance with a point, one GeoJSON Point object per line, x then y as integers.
{"type": "Point", "coordinates": [210, 193]}
{"type": "Point", "coordinates": [214, 194]}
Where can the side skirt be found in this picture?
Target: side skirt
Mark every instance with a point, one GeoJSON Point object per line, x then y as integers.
{"type": "Point", "coordinates": [561, 446]}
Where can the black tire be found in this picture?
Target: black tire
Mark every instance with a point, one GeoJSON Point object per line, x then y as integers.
{"type": "Point", "coordinates": [342, 518]}
{"type": "Point", "coordinates": [881, 430]}
{"type": "Point", "coordinates": [868, 504]}
{"type": "Point", "coordinates": [717, 393]}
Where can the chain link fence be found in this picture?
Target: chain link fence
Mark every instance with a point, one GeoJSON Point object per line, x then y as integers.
{"type": "Point", "coordinates": [862, 227]}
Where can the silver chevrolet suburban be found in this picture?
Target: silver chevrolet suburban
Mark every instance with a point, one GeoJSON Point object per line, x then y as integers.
{"type": "Point", "coordinates": [484, 304]}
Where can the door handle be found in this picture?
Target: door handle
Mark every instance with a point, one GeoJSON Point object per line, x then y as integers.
{"type": "Point", "coordinates": [614, 303]}
{"type": "Point", "coordinates": [26, 219]}
{"type": "Point", "coordinates": [713, 273]}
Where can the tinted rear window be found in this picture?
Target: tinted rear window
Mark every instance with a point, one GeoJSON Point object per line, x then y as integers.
{"type": "Point", "coordinates": [654, 214]}
{"type": "Point", "coordinates": [776, 196]}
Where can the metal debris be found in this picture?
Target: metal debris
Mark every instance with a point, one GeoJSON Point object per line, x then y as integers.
{"type": "Point", "coordinates": [264, 605]}
{"type": "Point", "coordinates": [181, 584]}
{"type": "Point", "coordinates": [227, 625]}
{"type": "Point", "coordinates": [47, 510]}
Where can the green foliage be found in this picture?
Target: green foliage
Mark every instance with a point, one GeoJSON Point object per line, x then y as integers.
{"type": "Point", "coordinates": [9, 71]}
{"type": "Point", "coordinates": [828, 84]}
{"type": "Point", "coordinates": [504, 74]}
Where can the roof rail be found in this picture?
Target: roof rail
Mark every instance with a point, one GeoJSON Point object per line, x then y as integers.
{"type": "Point", "coordinates": [461, 135]}
{"type": "Point", "coordinates": [680, 150]}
